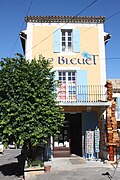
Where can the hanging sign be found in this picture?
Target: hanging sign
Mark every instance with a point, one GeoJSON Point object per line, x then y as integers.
{"type": "Point", "coordinates": [97, 140]}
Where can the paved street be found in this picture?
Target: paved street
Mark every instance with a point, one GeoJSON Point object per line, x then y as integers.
{"type": "Point", "coordinates": [73, 168]}
{"type": "Point", "coordinates": [77, 174]}
{"type": "Point", "coordinates": [10, 169]}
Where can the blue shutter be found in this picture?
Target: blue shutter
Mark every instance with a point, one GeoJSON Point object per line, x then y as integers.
{"type": "Point", "coordinates": [82, 82]}
{"type": "Point", "coordinates": [56, 40]}
{"type": "Point", "coordinates": [76, 40]}
{"type": "Point", "coordinates": [56, 75]}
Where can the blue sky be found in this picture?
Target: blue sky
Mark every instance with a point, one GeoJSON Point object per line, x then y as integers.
{"type": "Point", "coordinates": [12, 13]}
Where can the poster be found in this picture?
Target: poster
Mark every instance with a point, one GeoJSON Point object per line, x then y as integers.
{"type": "Point", "coordinates": [89, 142]}
{"type": "Point", "coordinates": [97, 139]}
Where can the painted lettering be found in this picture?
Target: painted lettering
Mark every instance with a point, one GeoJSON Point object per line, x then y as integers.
{"type": "Point", "coordinates": [67, 61]}
{"type": "Point", "coordinates": [79, 62]}
{"type": "Point", "coordinates": [61, 60]}
{"type": "Point", "coordinates": [88, 61]}
{"type": "Point", "coordinates": [83, 61]}
{"type": "Point", "coordinates": [73, 61]}
{"type": "Point", "coordinates": [50, 60]}
{"type": "Point", "coordinates": [94, 59]}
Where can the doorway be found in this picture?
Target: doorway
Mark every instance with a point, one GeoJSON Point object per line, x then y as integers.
{"type": "Point", "coordinates": [75, 133]}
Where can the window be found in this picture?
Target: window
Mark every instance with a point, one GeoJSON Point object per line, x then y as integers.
{"type": "Point", "coordinates": [67, 85]}
{"type": "Point", "coordinates": [66, 40]}
{"type": "Point", "coordinates": [62, 139]}
{"type": "Point", "coordinates": [66, 36]}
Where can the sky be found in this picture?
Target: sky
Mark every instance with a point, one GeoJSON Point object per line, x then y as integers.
{"type": "Point", "coordinates": [13, 12]}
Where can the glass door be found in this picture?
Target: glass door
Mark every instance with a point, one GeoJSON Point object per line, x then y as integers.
{"type": "Point", "coordinates": [67, 85]}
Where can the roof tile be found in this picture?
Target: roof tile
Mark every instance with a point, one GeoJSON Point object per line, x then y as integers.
{"type": "Point", "coordinates": [65, 19]}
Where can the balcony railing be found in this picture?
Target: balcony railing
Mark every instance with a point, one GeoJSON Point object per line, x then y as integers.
{"type": "Point", "coordinates": [86, 93]}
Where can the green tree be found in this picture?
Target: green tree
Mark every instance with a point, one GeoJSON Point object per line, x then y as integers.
{"type": "Point", "coordinates": [28, 111]}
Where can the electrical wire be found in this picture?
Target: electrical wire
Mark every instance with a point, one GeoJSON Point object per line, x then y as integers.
{"type": "Point", "coordinates": [114, 58]}
{"type": "Point", "coordinates": [113, 15]}
{"type": "Point", "coordinates": [62, 26]}
{"type": "Point", "coordinates": [86, 8]}
{"type": "Point", "coordinates": [58, 28]}
{"type": "Point", "coordinates": [83, 31]}
{"type": "Point", "coordinates": [21, 28]}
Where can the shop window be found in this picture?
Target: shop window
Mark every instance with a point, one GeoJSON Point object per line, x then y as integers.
{"type": "Point", "coordinates": [62, 139]}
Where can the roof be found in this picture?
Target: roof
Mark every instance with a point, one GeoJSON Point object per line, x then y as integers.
{"type": "Point", "coordinates": [65, 19]}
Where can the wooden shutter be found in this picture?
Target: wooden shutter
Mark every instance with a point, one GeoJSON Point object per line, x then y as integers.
{"type": "Point", "coordinates": [56, 40]}
{"type": "Point", "coordinates": [76, 40]}
{"type": "Point", "coordinates": [82, 88]}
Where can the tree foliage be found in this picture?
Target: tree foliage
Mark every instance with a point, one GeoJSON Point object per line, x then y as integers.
{"type": "Point", "coordinates": [28, 109]}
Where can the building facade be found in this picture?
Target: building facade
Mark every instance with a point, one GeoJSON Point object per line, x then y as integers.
{"type": "Point", "coordinates": [75, 46]}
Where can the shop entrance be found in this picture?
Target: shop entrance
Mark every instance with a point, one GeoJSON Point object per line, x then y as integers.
{"type": "Point", "coordinates": [75, 133]}
{"type": "Point", "coordinates": [69, 140]}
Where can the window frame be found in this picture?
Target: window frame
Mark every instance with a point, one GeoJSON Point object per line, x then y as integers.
{"type": "Point", "coordinates": [66, 40]}
{"type": "Point", "coordinates": [68, 82]}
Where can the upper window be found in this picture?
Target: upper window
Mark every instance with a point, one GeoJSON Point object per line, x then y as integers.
{"type": "Point", "coordinates": [66, 39]}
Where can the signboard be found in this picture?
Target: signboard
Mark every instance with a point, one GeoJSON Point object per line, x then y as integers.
{"type": "Point", "coordinates": [85, 59]}
{"type": "Point", "coordinates": [97, 139]}
{"type": "Point", "coordinates": [89, 142]}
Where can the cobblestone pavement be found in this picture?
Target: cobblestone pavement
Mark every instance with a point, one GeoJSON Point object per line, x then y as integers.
{"type": "Point", "coordinates": [10, 168]}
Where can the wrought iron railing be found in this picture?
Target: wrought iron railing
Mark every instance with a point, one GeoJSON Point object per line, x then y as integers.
{"type": "Point", "coordinates": [84, 93]}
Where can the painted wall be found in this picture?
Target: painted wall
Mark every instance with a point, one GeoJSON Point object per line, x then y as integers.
{"type": "Point", "coordinates": [41, 41]}
{"type": "Point", "coordinates": [89, 121]}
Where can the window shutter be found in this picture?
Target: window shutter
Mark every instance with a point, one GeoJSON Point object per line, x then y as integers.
{"type": "Point", "coordinates": [76, 40]}
{"type": "Point", "coordinates": [56, 40]}
{"type": "Point", "coordinates": [56, 75]}
{"type": "Point", "coordinates": [82, 77]}
{"type": "Point", "coordinates": [82, 88]}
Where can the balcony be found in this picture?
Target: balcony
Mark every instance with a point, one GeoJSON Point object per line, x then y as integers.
{"type": "Point", "coordinates": [82, 95]}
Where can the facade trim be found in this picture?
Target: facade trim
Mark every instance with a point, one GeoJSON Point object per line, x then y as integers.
{"type": "Point", "coordinates": [85, 104]}
{"type": "Point", "coordinates": [102, 54]}
{"type": "Point", "coordinates": [66, 19]}
{"type": "Point", "coordinates": [29, 46]}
